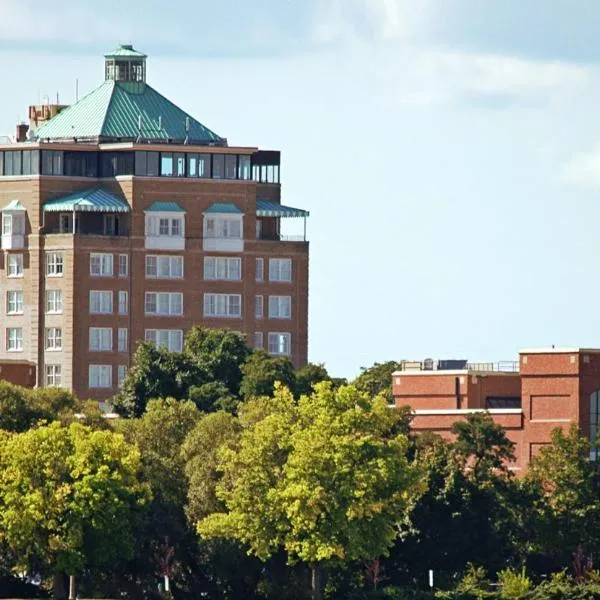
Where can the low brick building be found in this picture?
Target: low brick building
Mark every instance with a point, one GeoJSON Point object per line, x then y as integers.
{"type": "Point", "coordinates": [547, 388]}
{"type": "Point", "coordinates": [18, 372]}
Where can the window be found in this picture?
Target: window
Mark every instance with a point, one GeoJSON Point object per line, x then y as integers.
{"type": "Point", "coordinates": [121, 375]}
{"type": "Point", "coordinates": [81, 164]}
{"type": "Point", "coordinates": [219, 227]}
{"type": "Point", "coordinates": [54, 264]}
{"type": "Point", "coordinates": [230, 166]}
{"type": "Point", "coordinates": [244, 171]}
{"type": "Point", "coordinates": [123, 302]}
{"type": "Point", "coordinates": [100, 376]}
{"type": "Point", "coordinates": [123, 265]}
{"type": "Point", "coordinates": [31, 162]}
{"type": "Point", "coordinates": [199, 165]}
{"type": "Point", "coordinates": [258, 340]}
{"type": "Point", "coordinates": [13, 224]}
{"type": "Point", "coordinates": [116, 163]}
{"type": "Point", "coordinates": [111, 225]}
{"type": "Point", "coordinates": [53, 375]}
{"type": "Point", "coordinates": [164, 267]}
{"type": "Point", "coordinates": [594, 423]}
{"type": "Point", "coordinates": [166, 164]}
{"type": "Point", "coordinates": [164, 303]}
{"type": "Point", "coordinates": [260, 269]}
{"type": "Point", "coordinates": [164, 226]}
{"type": "Point", "coordinates": [101, 265]}
{"type": "Point", "coordinates": [14, 339]}
{"type": "Point", "coordinates": [122, 340]}
{"type": "Point", "coordinates": [222, 305]}
{"type": "Point", "coordinates": [12, 162]}
{"type": "Point", "coordinates": [258, 307]}
{"type": "Point", "coordinates": [218, 166]}
{"type": "Point", "coordinates": [146, 164]}
{"type": "Point", "coordinates": [171, 339]}
{"type": "Point", "coordinates": [54, 301]}
{"type": "Point", "coordinates": [14, 302]}
{"type": "Point", "coordinates": [101, 302]}
{"type": "Point", "coordinates": [280, 307]}
{"type": "Point", "coordinates": [65, 223]}
{"type": "Point", "coordinates": [15, 265]}
{"type": "Point", "coordinates": [222, 268]}
{"type": "Point", "coordinates": [100, 339]}
{"type": "Point", "coordinates": [53, 336]}
{"type": "Point", "coordinates": [280, 269]}
{"type": "Point", "coordinates": [280, 343]}
{"type": "Point", "coordinates": [52, 162]}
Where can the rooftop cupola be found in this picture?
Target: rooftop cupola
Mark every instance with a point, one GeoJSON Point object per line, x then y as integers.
{"type": "Point", "coordinates": [125, 64]}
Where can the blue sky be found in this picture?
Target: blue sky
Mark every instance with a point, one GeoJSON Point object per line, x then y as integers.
{"type": "Point", "coordinates": [448, 150]}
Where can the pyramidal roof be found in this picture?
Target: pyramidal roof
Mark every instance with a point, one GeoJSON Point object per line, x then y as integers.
{"type": "Point", "coordinates": [125, 108]}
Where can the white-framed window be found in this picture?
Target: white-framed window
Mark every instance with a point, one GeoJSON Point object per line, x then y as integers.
{"type": "Point", "coordinates": [122, 339]}
{"type": "Point", "coordinates": [123, 300]}
{"type": "Point", "coordinates": [13, 223]}
{"type": "Point", "coordinates": [223, 227]}
{"type": "Point", "coordinates": [164, 226]}
{"type": "Point", "coordinates": [223, 268]}
{"type": "Point", "coordinates": [164, 267]}
{"type": "Point", "coordinates": [14, 302]}
{"type": "Point", "coordinates": [260, 269]}
{"type": "Point", "coordinates": [53, 375]}
{"type": "Point", "coordinates": [101, 339]}
{"type": "Point", "coordinates": [14, 265]}
{"type": "Point", "coordinates": [100, 376]}
{"type": "Point", "coordinates": [54, 302]}
{"type": "Point", "coordinates": [258, 340]}
{"type": "Point", "coordinates": [121, 375]}
{"type": "Point", "coordinates": [163, 303]}
{"type": "Point", "coordinates": [280, 269]}
{"type": "Point", "coordinates": [14, 339]}
{"type": "Point", "coordinates": [222, 305]}
{"type": "Point", "coordinates": [101, 302]}
{"type": "Point", "coordinates": [171, 339]}
{"type": "Point", "coordinates": [258, 307]}
{"type": "Point", "coordinates": [280, 343]}
{"type": "Point", "coordinates": [101, 265]}
{"type": "Point", "coordinates": [54, 264]}
{"type": "Point", "coordinates": [53, 338]}
{"type": "Point", "coordinates": [123, 265]}
{"type": "Point", "coordinates": [280, 307]}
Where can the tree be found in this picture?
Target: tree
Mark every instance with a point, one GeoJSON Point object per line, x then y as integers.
{"type": "Point", "coordinates": [377, 380]}
{"type": "Point", "coordinates": [482, 445]}
{"type": "Point", "coordinates": [261, 371]}
{"type": "Point", "coordinates": [213, 396]}
{"type": "Point", "coordinates": [308, 376]}
{"type": "Point", "coordinates": [321, 479]}
{"type": "Point", "coordinates": [68, 498]}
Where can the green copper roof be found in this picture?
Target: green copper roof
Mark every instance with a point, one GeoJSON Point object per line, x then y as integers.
{"type": "Point", "coordinates": [114, 110]}
{"type": "Point", "coordinates": [124, 51]}
{"type": "Point", "coordinates": [14, 205]}
{"type": "Point", "coordinates": [223, 207]}
{"type": "Point", "coordinates": [94, 200]}
{"type": "Point", "coordinates": [265, 208]}
{"type": "Point", "coordinates": [165, 207]}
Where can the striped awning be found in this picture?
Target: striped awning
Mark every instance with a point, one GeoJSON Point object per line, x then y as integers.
{"type": "Point", "coordinates": [265, 208]}
{"type": "Point", "coordinates": [96, 200]}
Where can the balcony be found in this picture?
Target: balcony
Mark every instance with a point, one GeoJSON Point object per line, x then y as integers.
{"type": "Point", "coordinates": [278, 237]}
{"type": "Point", "coordinates": [12, 241]}
{"type": "Point", "coordinates": [13, 226]}
{"type": "Point", "coordinates": [215, 243]}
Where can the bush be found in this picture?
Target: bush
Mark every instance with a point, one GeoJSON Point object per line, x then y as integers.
{"type": "Point", "coordinates": [514, 586]}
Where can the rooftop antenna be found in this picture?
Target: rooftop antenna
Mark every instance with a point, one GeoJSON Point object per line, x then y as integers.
{"type": "Point", "coordinates": [76, 90]}
{"type": "Point", "coordinates": [160, 123]}
{"type": "Point", "coordinates": [187, 129]}
{"type": "Point", "coordinates": [57, 100]}
{"type": "Point", "coordinates": [140, 127]}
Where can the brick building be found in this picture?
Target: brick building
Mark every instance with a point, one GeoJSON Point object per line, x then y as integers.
{"type": "Point", "coordinates": [124, 219]}
{"type": "Point", "coordinates": [547, 388]}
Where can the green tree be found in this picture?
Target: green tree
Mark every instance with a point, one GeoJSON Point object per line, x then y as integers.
{"type": "Point", "coordinates": [213, 396]}
{"type": "Point", "coordinates": [377, 379]}
{"type": "Point", "coordinates": [68, 498]}
{"type": "Point", "coordinates": [308, 376]}
{"type": "Point", "coordinates": [322, 479]}
{"type": "Point", "coordinates": [261, 371]}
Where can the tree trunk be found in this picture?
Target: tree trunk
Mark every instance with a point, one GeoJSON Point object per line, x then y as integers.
{"type": "Point", "coordinates": [317, 585]}
{"type": "Point", "coordinates": [59, 589]}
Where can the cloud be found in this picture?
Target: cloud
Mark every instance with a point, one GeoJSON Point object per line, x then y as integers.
{"type": "Point", "coordinates": [583, 169]}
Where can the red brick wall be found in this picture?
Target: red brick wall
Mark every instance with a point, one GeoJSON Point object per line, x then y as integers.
{"type": "Point", "coordinates": [19, 373]}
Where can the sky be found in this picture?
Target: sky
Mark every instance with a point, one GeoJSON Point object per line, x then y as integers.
{"type": "Point", "coordinates": [447, 150]}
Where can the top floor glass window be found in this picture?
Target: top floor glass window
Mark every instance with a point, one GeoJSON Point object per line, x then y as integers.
{"type": "Point", "coordinates": [198, 165]}
{"type": "Point", "coordinates": [113, 164]}
{"type": "Point", "coordinates": [147, 164]}
{"type": "Point", "coordinates": [52, 162]}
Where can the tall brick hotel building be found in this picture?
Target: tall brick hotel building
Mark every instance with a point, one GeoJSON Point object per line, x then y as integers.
{"type": "Point", "coordinates": [545, 389]}
{"type": "Point", "coordinates": [125, 219]}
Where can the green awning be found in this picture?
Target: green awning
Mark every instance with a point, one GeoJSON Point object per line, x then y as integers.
{"type": "Point", "coordinates": [165, 207]}
{"type": "Point", "coordinates": [265, 208]}
{"type": "Point", "coordinates": [223, 208]}
{"type": "Point", "coordinates": [14, 205]}
{"type": "Point", "coordinates": [95, 200]}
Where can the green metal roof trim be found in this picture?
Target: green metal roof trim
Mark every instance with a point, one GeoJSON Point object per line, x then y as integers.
{"type": "Point", "coordinates": [125, 50]}
{"type": "Point", "coordinates": [165, 207]}
{"type": "Point", "coordinates": [265, 208]}
{"type": "Point", "coordinates": [113, 110]}
{"type": "Point", "coordinates": [14, 205]}
{"type": "Point", "coordinates": [94, 200]}
{"type": "Point", "coordinates": [223, 208]}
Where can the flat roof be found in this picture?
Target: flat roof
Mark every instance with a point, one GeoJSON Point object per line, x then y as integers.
{"type": "Point", "coordinates": [479, 372]}
{"type": "Point", "coordinates": [563, 350]}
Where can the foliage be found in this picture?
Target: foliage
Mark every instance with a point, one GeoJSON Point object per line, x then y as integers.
{"type": "Point", "coordinates": [308, 376]}
{"type": "Point", "coordinates": [261, 371]}
{"type": "Point", "coordinates": [514, 585]}
{"type": "Point", "coordinates": [377, 379]}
